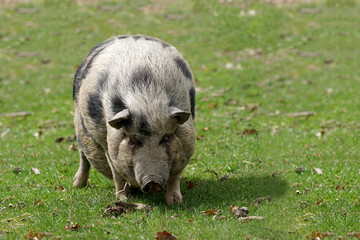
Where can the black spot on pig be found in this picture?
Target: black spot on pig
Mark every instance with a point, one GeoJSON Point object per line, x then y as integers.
{"type": "Point", "coordinates": [181, 64]}
{"type": "Point", "coordinates": [77, 81]}
{"type": "Point", "coordinates": [95, 107]}
{"type": "Point", "coordinates": [103, 80]}
{"type": "Point", "coordinates": [122, 37]}
{"type": "Point", "coordinates": [117, 104]}
{"type": "Point", "coordinates": [137, 37]}
{"type": "Point", "coordinates": [142, 77]}
{"type": "Point", "coordinates": [85, 66]}
{"type": "Point", "coordinates": [163, 44]}
{"type": "Point", "coordinates": [192, 101]}
{"type": "Point", "coordinates": [98, 48]}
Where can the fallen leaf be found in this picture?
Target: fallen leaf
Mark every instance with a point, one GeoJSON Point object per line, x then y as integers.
{"type": "Point", "coordinates": [124, 207]}
{"type": "Point", "coordinates": [354, 234]}
{"type": "Point", "coordinates": [17, 170]}
{"type": "Point", "coordinates": [239, 212]}
{"type": "Point", "coordinates": [59, 139]}
{"type": "Point", "coordinates": [34, 235]}
{"type": "Point", "coordinates": [248, 132]}
{"type": "Point", "coordinates": [212, 105]}
{"type": "Point", "coordinates": [73, 227]}
{"type": "Point", "coordinates": [46, 61]}
{"type": "Point", "coordinates": [71, 138]}
{"type": "Point", "coordinates": [299, 114]}
{"type": "Point", "coordinates": [232, 102]}
{"type": "Point", "coordinates": [318, 171]}
{"type": "Point", "coordinates": [250, 218]}
{"type": "Point", "coordinates": [37, 134]}
{"type": "Point", "coordinates": [209, 212]}
{"type": "Point", "coordinates": [230, 65]}
{"type": "Point", "coordinates": [72, 147]}
{"type": "Point", "coordinates": [36, 171]}
{"type": "Point", "coordinates": [37, 202]}
{"type": "Point", "coordinates": [165, 235]}
{"type": "Point", "coordinates": [262, 199]}
{"type": "Point", "coordinates": [59, 187]}
{"type": "Point", "coordinates": [200, 137]}
{"type": "Point", "coordinates": [190, 184]}
{"type": "Point", "coordinates": [328, 61]}
{"type": "Point", "coordinates": [247, 162]}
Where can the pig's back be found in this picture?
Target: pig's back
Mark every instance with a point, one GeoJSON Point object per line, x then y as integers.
{"type": "Point", "coordinates": [130, 65]}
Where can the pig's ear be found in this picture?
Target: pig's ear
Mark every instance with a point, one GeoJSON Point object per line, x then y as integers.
{"type": "Point", "coordinates": [120, 119]}
{"type": "Point", "coordinates": [179, 115]}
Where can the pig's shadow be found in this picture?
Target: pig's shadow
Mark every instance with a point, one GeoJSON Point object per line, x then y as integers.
{"type": "Point", "coordinates": [211, 193]}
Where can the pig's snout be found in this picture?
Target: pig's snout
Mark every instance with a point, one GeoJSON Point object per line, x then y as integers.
{"type": "Point", "coordinates": [152, 187]}
{"type": "Point", "coordinates": [152, 184]}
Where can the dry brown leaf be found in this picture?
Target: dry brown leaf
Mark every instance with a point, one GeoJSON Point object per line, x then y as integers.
{"type": "Point", "coordinates": [190, 184]}
{"type": "Point", "coordinates": [239, 212]}
{"type": "Point", "coordinates": [124, 207]}
{"type": "Point", "coordinates": [212, 105]}
{"type": "Point", "coordinates": [299, 114]}
{"type": "Point", "coordinates": [73, 227]}
{"type": "Point", "coordinates": [59, 139]}
{"type": "Point", "coordinates": [209, 212]}
{"type": "Point", "coordinates": [165, 235]}
{"type": "Point", "coordinates": [34, 235]}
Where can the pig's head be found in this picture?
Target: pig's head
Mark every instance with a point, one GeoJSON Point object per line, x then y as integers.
{"type": "Point", "coordinates": [149, 146]}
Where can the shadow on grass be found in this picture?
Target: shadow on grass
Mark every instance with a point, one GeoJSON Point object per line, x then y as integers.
{"type": "Point", "coordinates": [216, 193]}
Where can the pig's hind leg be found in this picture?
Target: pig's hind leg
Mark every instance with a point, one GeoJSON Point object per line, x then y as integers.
{"type": "Point", "coordinates": [82, 174]}
{"type": "Point", "coordinates": [91, 154]}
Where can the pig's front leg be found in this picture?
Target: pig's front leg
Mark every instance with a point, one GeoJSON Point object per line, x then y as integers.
{"type": "Point", "coordinates": [173, 194]}
{"type": "Point", "coordinates": [122, 187]}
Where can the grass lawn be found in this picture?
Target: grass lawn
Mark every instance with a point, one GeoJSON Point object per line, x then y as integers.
{"type": "Point", "coordinates": [277, 119]}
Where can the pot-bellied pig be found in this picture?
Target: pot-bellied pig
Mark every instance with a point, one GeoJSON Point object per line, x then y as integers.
{"type": "Point", "coordinates": [134, 115]}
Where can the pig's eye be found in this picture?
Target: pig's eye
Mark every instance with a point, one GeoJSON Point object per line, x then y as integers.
{"type": "Point", "coordinates": [166, 139]}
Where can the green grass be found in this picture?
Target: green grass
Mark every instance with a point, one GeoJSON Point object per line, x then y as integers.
{"type": "Point", "coordinates": [305, 62]}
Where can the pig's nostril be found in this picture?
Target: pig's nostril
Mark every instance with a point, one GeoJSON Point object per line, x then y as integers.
{"type": "Point", "coordinates": [152, 187]}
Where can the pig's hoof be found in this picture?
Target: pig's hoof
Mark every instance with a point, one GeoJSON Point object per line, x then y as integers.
{"type": "Point", "coordinates": [123, 197]}
{"type": "Point", "coordinates": [80, 181]}
{"type": "Point", "coordinates": [173, 197]}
